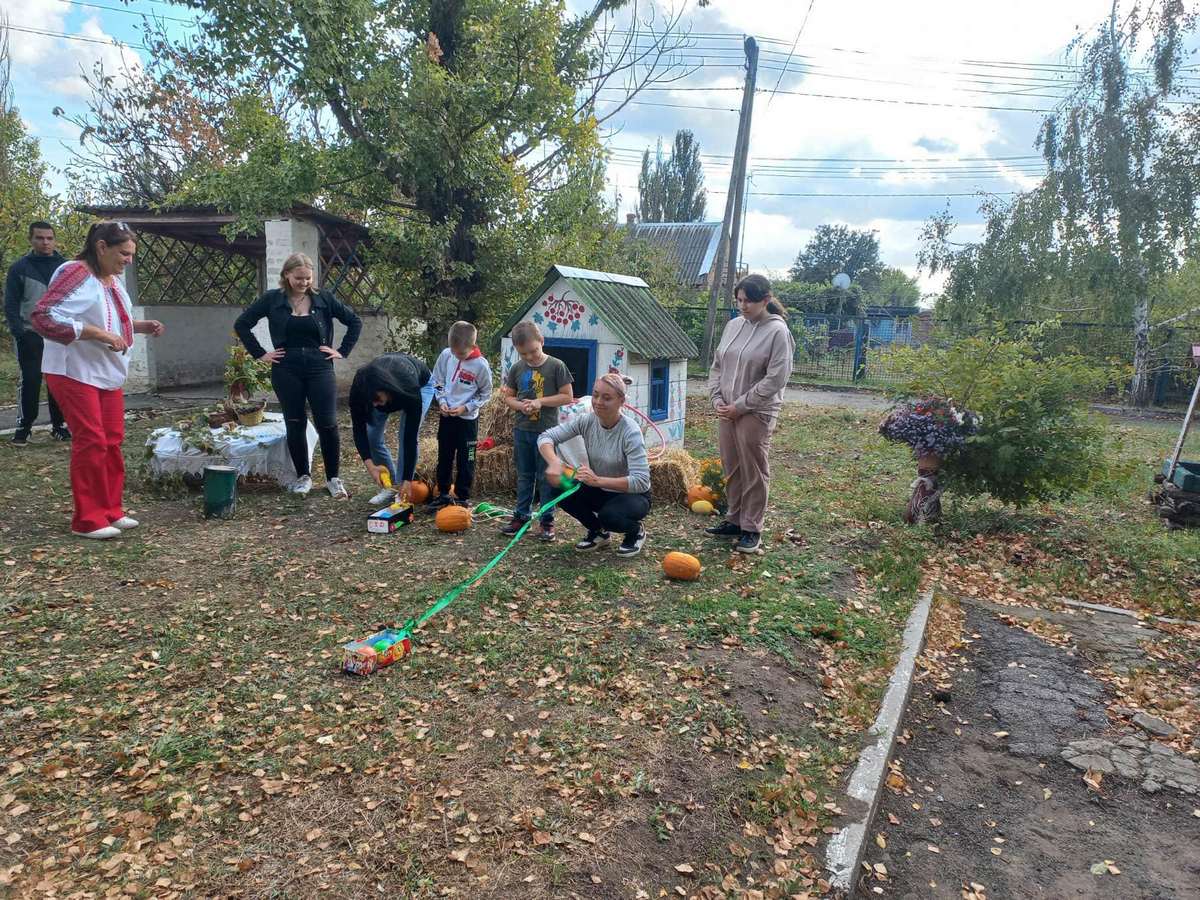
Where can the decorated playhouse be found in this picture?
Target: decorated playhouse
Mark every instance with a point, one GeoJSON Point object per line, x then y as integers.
{"type": "Point", "coordinates": [594, 321]}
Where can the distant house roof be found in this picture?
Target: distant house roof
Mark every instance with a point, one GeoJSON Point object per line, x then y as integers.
{"type": "Point", "coordinates": [625, 304]}
{"type": "Point", "coordinates": [690, 247]}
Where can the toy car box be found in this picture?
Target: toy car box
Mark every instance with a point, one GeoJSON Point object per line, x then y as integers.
{"type": "Point", "coordinates": [390, 518]}
{"type": "Point", "coordinates": [375, 652]}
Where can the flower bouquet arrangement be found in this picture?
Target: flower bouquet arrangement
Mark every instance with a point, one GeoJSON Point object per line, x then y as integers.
{"type": "Point", "coordinates": [932, 426]}
{"type": "Point", "coordinates": [934, 429]}
{"type": "Point", "coordinates": [245, 376]}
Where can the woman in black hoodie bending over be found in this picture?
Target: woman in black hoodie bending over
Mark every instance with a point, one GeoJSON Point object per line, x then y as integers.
{"type": "Point", "coordinates": [394, 382]}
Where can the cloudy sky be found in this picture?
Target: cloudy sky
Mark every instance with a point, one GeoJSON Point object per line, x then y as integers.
{"type": "Point", "coordinates": [920, 104]}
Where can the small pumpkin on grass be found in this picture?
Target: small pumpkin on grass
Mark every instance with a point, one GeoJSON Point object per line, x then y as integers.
{"type": "Point", "coordinates": [703, 508]}
{"type": "Point", "coordinates": [681, 566]}
{"type": "Point", "coordinates": [453, 519]}
{"type": "Point", "coordinates": [699, 492]}
{"type": "Point", "coordinates": [418, 493]}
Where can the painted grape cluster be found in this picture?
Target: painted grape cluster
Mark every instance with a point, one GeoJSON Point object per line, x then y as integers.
{"type": "Point", "coordinates": [562, 311]}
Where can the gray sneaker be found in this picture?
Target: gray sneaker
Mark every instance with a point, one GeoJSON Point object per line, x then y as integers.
{"type": "Point", "coordinates": [301, 485]}
{"type": "Point", "coordinates": [337, 489]}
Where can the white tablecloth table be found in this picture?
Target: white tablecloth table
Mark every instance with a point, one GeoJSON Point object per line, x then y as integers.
{"type": "Point", "coordinates": [252, 450]}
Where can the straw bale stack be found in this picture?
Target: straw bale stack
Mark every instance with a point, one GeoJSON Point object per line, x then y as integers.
{"type": "Point", "coordinates": [495, 472]}
{"type": "Point", "coordinates": [672, 474]}
{"type": "Point", "coordinates": [496, 421]}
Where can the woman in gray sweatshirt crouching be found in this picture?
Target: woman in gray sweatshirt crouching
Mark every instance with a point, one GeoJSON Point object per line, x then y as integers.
{"type": "Point", "coordinates": [615, 492]}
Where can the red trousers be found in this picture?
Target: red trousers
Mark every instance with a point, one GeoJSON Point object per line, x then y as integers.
{"type": "Point", "coordinates": [96, 418]}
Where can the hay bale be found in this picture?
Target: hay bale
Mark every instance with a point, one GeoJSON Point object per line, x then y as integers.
{"type": "Point", "coordinates": [672, 474]}
{"type": "Point", "coordinates": [496, 421]}
{"type": "Point", "coordinates": [495, 472]}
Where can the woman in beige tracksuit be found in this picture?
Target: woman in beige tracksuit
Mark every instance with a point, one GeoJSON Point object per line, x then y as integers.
{"type": "Point", "coordinates": [746, 384]}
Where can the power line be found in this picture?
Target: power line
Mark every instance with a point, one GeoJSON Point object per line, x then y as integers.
{"type": "Point", "coordinates": [111, 42]}
{"type": "Point", "coordinates": [127, 12]}
{"type": "Point", "coordinates": [903, 102]}
{"type": "Point", "coordinates": [787, 61]}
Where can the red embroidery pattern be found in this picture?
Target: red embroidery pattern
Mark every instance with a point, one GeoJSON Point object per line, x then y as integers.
{"type": "Point", "coordinates": [69, 278]}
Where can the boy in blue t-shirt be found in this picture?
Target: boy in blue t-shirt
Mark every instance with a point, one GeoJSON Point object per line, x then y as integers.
{"type": "Point", "coordinates": [534, 389]}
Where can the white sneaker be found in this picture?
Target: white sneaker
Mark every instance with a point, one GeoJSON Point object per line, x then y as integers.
{"type": "Point", "coordinates": [100, 534]}
{"type": "Point", "coordinates": [384, 497]}
{"type": "Point", "coordinates": [125, 522]}
{"type": "Point", "coordinates": [337, 489]}
{"type": "Point", "coordinates": [302, 485]}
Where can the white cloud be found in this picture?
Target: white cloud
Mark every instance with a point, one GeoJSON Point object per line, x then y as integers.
{"type": "Point", "coordinates": [888, 51]}
{"type": "Point", "coordinates": [79, 58]}
{"type": "Point", "coordinates": [25, 47]}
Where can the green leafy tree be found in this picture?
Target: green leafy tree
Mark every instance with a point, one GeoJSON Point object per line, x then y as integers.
{"type": "Point", "coordinates": [447, 126]}
{"type": "Point", "coordinates": [1116, 213]}
{"type": "Point", "coordinates": [1036, 440]}
{"type": "Point", "coordinates": [822, 298]}
{"type": "Point", "coordinates": [895, 288]}
{"type": "Point", "coordinates": [672, 189]}
{"type": "Point", "coordinates": [839, 248]}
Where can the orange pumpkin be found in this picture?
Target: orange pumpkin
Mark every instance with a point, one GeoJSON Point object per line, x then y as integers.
{"type": "Point", "coordinates": [700, 492]}
{"type": "Point", "coordinates": [418, 493]}
{"type": "Point", "coordinates": [453, 519]}
{"type": "Point", "coordinates": [681, 566]}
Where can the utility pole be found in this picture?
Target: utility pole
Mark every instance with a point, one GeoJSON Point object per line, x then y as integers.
{"type": "Point", "coordinates": [727, 249]}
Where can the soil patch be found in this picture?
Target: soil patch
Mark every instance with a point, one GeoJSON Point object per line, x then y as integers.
{"type": "Point", "coordinates": [981, 797]}
{"type": "Point", "coordinates": [773, 697]}
{"type": "Point", "coordinates": [688, 821]}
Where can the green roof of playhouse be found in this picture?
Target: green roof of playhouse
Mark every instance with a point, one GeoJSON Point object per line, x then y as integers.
{"type": "Point", "coordinates": [623, 303]}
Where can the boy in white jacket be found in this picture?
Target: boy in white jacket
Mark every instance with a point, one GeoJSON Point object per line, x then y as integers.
{"type": "Point", "coordinates": [462, 383]}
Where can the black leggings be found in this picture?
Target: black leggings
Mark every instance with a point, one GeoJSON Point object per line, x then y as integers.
{"type": "Point", "coordinates": [601, 510]}
{"type": "Point", "coordinates": [306, 375]}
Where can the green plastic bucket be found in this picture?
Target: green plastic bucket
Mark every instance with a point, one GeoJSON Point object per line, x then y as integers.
{"type": "Point", "coordinates": [220, 491]}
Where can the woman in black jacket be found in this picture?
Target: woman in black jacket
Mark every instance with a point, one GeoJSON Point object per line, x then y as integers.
{"type": "Point", "coordinates": [301, 326]}
{"type": "Point", "coordinates": [394, 382]}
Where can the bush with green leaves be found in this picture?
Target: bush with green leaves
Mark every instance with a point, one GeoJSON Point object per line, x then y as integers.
{"type": "Point", "coordinates": [1036, 440]}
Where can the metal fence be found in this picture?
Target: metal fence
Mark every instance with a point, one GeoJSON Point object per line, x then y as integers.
{"type": "Point", "coordinates": [861, 350]}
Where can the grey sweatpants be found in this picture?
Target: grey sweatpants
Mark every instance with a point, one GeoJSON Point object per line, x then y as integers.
{"type": "Point", "coordinates": [744, 446]}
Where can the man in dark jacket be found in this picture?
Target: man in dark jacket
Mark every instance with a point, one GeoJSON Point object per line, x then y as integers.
{"type": "Point", "coordinates": [394, 382]}
{"type": "Point", "coordinates": [27, 281]}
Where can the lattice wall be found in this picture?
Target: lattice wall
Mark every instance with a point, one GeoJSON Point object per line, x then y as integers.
{"type": "Point", "coordinates": [177, 272]}
{"type": "Point", "coordinates": [343, 273]}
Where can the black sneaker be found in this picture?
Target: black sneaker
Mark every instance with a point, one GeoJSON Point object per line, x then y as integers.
{"type": "Point", "coordinates": [725, 529]}
{"type": "Point", "coordinates": [61, 433]}
{"type": "Point", "coordinates": [632, 546]}
{"type": "Point", "coordinates": [749, 542]}
{"type": "Point", "coordinates": [514, 526]}
{"type": "Point", "coordinates": [593, 540]}
{"type": "Point", "coordinates": [546, 533]}
{"type": "Point", "coordinates": [20, 437]}
{"type": "Point", "coordinates": [440, 500]}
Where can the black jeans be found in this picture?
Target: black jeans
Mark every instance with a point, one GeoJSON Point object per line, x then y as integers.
{"type": "Point", "coordinates": [28, 347]}
{"type": "Point", "coordinates": [456, 442]}
{"type": "Point", "coordinates": [303, 375]}
{"type": "Point", "coordinates": [601, 510]}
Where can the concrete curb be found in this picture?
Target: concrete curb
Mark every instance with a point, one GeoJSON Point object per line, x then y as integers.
{"type": "Point", "coordinates": [844, 854]}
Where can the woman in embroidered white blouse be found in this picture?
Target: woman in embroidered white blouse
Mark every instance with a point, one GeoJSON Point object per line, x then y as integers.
{"type": "Point", "coordinates": [86, 317]}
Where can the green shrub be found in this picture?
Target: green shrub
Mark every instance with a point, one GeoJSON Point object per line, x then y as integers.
{"type": "Point", "coordinates": [1035, 441]}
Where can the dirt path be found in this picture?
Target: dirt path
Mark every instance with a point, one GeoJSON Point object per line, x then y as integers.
{"type": "Point", "coordinates": [984, 806]}
{"type": "Point", "coordinates": [859, 400]}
